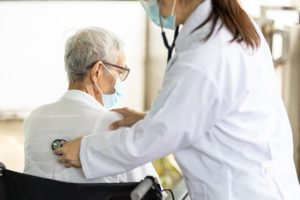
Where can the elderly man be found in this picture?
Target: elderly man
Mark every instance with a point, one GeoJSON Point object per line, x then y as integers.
{"type": "Point", "coordinates": [95, 64]}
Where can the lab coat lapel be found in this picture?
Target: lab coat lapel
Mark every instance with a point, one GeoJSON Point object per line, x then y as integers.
{"type": "Point", "coordinates": [187, 35]}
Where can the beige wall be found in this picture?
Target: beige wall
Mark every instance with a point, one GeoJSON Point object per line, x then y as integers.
{"type": "Point", "coordinates": [292, 90]}
{"type": "Point", "coordinates": [156, 62]}
{"type": "Point", "coordinates": [11, 145]}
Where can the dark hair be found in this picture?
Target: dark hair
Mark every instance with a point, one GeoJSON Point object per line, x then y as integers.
{"type": "Point", "coordinates": [236, 21]}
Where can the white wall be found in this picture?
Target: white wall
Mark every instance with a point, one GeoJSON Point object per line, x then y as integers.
{"type": "Point", "coordinates": [252, 6]}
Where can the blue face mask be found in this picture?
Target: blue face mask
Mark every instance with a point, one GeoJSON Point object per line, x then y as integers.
{"type": "Point", "coordinates": [152, 9]}
{"type": "Point", "coordinates": [110, 100]}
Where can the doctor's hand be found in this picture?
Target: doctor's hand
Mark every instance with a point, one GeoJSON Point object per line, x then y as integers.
{"type": "Point", "coordinates": [69, 153]}
{"type": "Point", "coordinates": [130, 117]}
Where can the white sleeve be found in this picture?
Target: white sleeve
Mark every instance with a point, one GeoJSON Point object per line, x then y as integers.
{"type": "Point", "coordinates": [188, 105]}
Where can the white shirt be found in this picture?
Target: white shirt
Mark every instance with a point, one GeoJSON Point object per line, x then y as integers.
{"type": "Point", "coordinates": [220, 112]}
{"type": "Point", "coordinates": [75, 114]}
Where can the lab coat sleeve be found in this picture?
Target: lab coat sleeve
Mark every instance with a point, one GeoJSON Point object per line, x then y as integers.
{"type": "Point", "coordinates": [187, 106]}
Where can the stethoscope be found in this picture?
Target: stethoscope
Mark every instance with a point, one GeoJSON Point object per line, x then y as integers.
{"type": "Point", "coordinates": [58, 143]}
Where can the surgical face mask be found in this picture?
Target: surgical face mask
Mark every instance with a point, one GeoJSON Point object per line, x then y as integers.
{"type": "Point", "coordinates": [110, 100]}
{"type": "Point", "coordinates": [152, 9]}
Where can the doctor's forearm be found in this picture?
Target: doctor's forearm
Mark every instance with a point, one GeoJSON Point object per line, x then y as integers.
{"type": "Point", "coordinates": [109, 153]}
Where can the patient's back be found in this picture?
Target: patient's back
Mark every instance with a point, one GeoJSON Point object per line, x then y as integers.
{"type": "Point", "coordinates": [74, 115]}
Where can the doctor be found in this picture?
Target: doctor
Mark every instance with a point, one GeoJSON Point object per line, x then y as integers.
{"type": "Point", "coordinates": [219, 111]}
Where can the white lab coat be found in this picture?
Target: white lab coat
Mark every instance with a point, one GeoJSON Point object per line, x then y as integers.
{"type": "Point", "coordinates": [75, 114]}
{"type": "Point", "coordinates": [220, 112]}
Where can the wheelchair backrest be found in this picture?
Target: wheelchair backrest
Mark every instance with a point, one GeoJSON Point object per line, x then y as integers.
{"type": "Point", "coordinates": [18, 186]}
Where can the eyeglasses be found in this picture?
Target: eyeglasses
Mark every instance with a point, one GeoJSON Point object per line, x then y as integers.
{"type": "Point", "coordinates": [123, 72]}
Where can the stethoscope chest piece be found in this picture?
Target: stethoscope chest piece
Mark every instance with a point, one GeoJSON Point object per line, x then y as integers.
{"type": "Point", "coordinates": [58, 143]}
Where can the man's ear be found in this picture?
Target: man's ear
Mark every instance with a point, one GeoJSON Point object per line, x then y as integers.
{"type": "Point", "coordinates": [96, 71]}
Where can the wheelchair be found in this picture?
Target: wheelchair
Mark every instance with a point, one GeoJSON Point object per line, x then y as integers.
{"type": "Point", "coordinates": [18, 186]}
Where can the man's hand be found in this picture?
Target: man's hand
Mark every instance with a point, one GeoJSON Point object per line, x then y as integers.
{"type": "Point", "coordinates": [130, 118]}
{"type": "Point", "coordinates": [69, 153]}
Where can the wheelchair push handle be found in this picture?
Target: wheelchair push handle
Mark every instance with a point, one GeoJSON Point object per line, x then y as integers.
{"type": "Point", "coordinates": [141, 190]}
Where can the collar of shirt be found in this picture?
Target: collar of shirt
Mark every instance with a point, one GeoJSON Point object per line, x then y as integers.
{"type": "Point", "coordinates": [78, 95]}
{"type": "Point", "coordinates": [187, 35]}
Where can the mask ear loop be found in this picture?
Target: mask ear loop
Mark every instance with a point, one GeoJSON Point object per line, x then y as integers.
{"type": "Point", "coordinates": [169, 47]}
{"type": "Point", "coordinates": [116, 79]}
{"type": "Point", "coordinates": [110, 72]}
{"type": "Point", "coordinates": [98, 88]}
{"type": "Point", "coordinates": [100, 92]}
{"type": "Point", "coordinates": [173, 9]}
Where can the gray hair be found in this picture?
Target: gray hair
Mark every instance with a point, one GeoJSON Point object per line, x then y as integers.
{"type": "Point", "coordinates": [88, 46]}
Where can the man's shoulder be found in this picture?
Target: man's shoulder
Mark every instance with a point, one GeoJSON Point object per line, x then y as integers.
{"type": "Point", "coordinates": [41, 110]}
{"type": "Point", "coordinates": [36, 114]}
{"type": "Point", "coordinates": [107, 117]}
